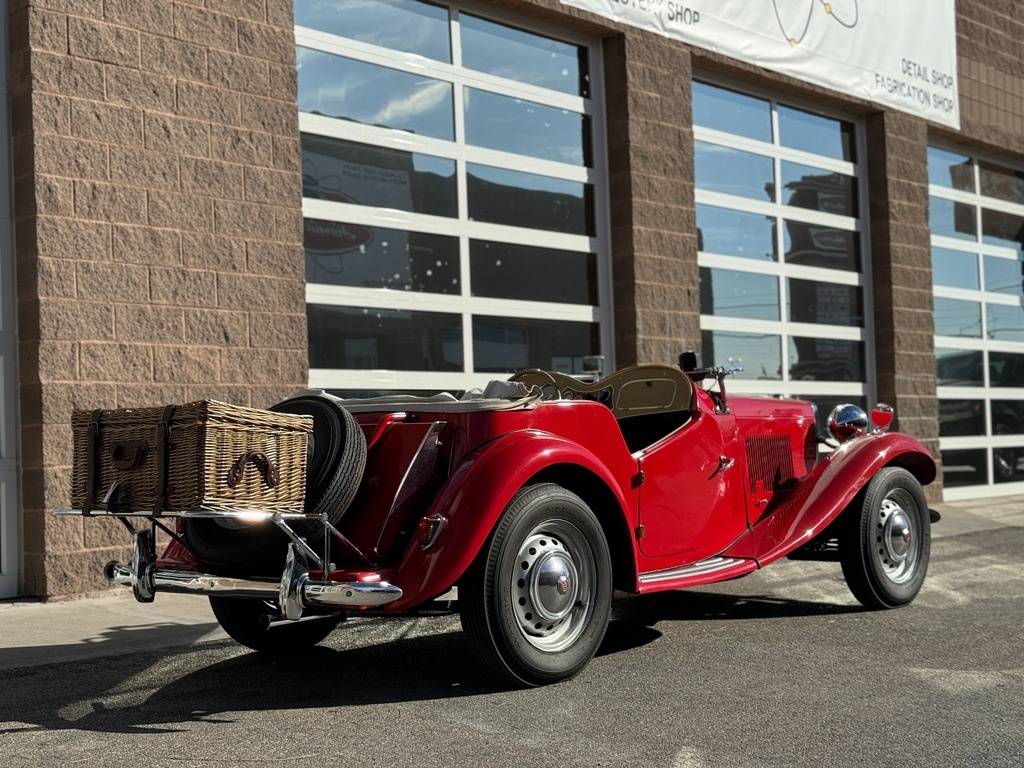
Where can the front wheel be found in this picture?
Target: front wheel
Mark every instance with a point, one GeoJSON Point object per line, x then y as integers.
{"type": "Point", "coordinates": [246, 621]}
{"type": "Point", "coordinates": [886, 543]}
{"type": "Point", "coordinates": [535, 603]}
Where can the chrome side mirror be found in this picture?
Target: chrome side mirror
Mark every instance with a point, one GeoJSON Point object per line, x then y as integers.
{"type": "Point", "coordinates": [847, 421]}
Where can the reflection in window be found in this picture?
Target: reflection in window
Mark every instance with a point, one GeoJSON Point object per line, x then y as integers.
{"type": "Point", "coordinates": [520, 199]}
{"type": "Point", "coordinates": [811, 301]}
{"type": "Point", "coordinates": [344, 88]}
{"type": "Point", "coordinates": [825, 359]}
{"type": "Point", "coordinates": [951, 219]}
{"type": "Point", "coordinates": [816, 133]}
{"type": "Point", "coordinates": [964, 467]}
{"type": "Point", "coordinates": [733, 172]}
{"type": "Point", "coordinates": [950, 169]}
{"type": "Point", "coordinates": [375, 257]}
{"type": "Point", "coordinates": [508, 344]}
{"type": "Point", "coordinates": [1008, 464]}
{"type": "Point", "coordinates": [1005, 322]}
{"type": "Point", "coordinates": [1001, 183]}
{"type": "Point", "coordinates": [366, 338]}
{"type": "Point", "coordinates": [401, 25]}
{"type": "Point", "coordinates": [524, 56]}
{"type": "Point", "coordinates": [731, 112]}
{"type": "Point", "coordinates": [506, 271]}
{"type": "Point", "coordinates": [526, 128]}
{"type": "Point", "coordinates": [1004, 275]}
{"type": "Point", "coordinates": [1006, 369]}
{"type": "Point", "coordinates": [815, 245]}
{"type": "Point", "coordinates": [347, 172]}
{"type": "Point", "coordinates": [961, 418]}
{"type": "Point", "coordinates": [958, 368]}
{"type": "Point", "coordinates": [1008, 417]}
{"type": "Point", "coordinates": [1005, 229]}
{"type": "Point", "coordinates": [816, 189]}
{"type": "Point", "coordinates": [759, 354]}
{"type": "Point", "coordinates": [956, 269]}
{"type": "Point", "coordinates": [954, 317]}
{"type": "Point", "coordinates": [728, 293]}
{"type": "Point", "coordinates": [735, 233]}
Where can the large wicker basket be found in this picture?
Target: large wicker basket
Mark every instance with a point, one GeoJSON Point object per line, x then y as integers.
{"type": "Point", "coordinates": [199, 456]}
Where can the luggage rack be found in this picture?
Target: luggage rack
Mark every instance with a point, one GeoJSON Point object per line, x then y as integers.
{"type": "Point", "coordinates": [294, 592]}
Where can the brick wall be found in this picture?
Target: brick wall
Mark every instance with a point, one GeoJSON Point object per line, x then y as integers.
{"type": "Point", "coordinates": [158, 226]}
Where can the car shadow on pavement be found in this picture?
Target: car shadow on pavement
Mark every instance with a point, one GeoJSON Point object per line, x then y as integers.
{"type": "Point", "coordinates": [648, 610]}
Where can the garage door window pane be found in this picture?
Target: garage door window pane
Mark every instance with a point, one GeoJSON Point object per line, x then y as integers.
{"type": "Point", "coordinates": [1008, 464]}
{"type": "Point", "coordinates": [347, 172]}
{"type": "Point", "coordinates": [507, 344]}
{"type": "Point", "coordinates": [729, 293]}
{"type": "Point", "coordinates": [1006, 369]}
{"type": "Point", "coordinates": [759, 354]}
{"type": "Point", "coordinates": [734, 233]}
{"type": "Point", "coordinates": [816, 189]}
{"type": "Point", "coordinates": [814, 245]}
{"type": "Point", "coordinates": [825, 359]}
{"type": "Point", "coordinates": [1005, 229]}
{"type": "Point", "coordinates": [1005, 322]}
{"type": "Point", "coordinates": [957, 269]}
{"type": "Point", "coordinates": [951, 219]}
{"type": "Point", "coordinates": [817, 134]}
{"type": "Point", "coordinates": [1004, 275]}
{"type": "Point", "coordinates": [733, 172]}
{"type": "Point", "coordinates": [368, 338]}
{"type": "Point", "coordinates": [1008, 417]}
{"type": "Point", "coordinates": [811, 301]}
{"type": "Point", "coordinates": [961, 418]}
{"type": "Point", "coordinates": [959, 368]}
{"type": "Point", "coordinates": [506, 271]}
{"type": "Point", "coordinates": [950, 169]}
{"type": "Point", "coordinates": [731, 112]}
{"type": "Point", "coordinates": [500, 196]}
{"type": "Point", "coordinates": [961, 468]}
{"type": "Point", "coordinates": [1001, 183]}
{"type": "Point", "coordinates": [954, 317]}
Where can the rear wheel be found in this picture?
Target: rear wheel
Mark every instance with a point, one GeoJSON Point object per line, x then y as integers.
{"type": "Point", "coordinates": [535, 603]}
{"type": "Point", "coordinates": [886, 543]}
{"type": "Point", "coordinates": [246, 622]}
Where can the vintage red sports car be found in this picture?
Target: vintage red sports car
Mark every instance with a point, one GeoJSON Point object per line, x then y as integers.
{"type": "Point", "coordinates": [538, 498]}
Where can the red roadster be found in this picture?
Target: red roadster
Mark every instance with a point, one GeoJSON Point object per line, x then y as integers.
{"type": "Point", "coordinates": [538, 498]}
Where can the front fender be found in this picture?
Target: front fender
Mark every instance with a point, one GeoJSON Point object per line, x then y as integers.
{"type": "Point", "coordinates": [473, 499]}
{"type": "Point", "coordinates": [827, 490]}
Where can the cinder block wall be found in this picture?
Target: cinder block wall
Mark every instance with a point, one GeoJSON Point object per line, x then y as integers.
{"type": "Point", "coordinates": [158, 226]}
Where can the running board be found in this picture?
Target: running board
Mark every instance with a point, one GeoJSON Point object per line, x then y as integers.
{"type": "Point", "coordinates": [703, 568]}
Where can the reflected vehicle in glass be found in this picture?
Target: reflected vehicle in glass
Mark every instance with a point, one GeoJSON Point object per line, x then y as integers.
{"type": "Point", "coordinates": [536, 498]}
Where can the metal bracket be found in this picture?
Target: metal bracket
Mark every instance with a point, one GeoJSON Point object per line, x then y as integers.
{"type": "Point", "coordinates": [299, 542]}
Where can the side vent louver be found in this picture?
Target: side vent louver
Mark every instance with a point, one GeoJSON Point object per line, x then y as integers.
{"type": "Point", "coordinates": [770, 460]}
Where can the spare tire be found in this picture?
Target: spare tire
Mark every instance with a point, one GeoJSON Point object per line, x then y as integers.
{"type": "Point", "coordinates": [334, 470]}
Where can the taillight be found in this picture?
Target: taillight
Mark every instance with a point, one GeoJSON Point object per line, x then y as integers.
{"type": "Point", "coordinates": [429, 529]}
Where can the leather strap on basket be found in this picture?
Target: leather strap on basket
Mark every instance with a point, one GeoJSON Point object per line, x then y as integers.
{"type": "Point", "coordinates": [163, 450]}
{"type": "Point", "coordinates": [92, 469]}
{"type": "Point", "coordinates": [266, 467]}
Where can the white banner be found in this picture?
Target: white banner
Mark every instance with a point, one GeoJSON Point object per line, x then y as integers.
{"type": "Point", "coordinates": [900, 53]}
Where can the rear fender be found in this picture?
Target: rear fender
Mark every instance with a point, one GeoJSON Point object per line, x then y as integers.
{"type": "Point", "coordinates": [828, 490]}
{"type": "Point", "coordinates": [474, 498]}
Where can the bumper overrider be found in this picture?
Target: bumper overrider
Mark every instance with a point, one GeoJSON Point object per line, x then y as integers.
{"type": "Point", "coordinates": [295, 591]}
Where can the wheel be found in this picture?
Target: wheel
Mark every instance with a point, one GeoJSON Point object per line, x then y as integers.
{"type": "Point", "coordinates": [886, 542]}
{"type": "Point", "coordinates": [535, 603]}
{"type": "Point", "coordinates": [244, 619]}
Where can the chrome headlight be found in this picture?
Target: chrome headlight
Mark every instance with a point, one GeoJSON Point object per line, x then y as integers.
{"type": "Point", "coordinates": [847, 421]}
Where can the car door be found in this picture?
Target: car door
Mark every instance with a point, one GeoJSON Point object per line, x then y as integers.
{"type": "Point", "coordinates": [691, 499]}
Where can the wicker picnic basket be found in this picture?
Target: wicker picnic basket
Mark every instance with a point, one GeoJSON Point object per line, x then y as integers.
{"type": "Point", "coordinates": [199, 456]}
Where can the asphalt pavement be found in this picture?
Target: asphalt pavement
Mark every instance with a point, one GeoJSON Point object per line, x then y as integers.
{"type": "Point", "coordinates": [779, 668]}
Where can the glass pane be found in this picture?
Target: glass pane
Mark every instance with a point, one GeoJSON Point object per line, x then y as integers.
{"type": "Point", "coordinates": [1006, 369]}
{"type": "Point", "coordinates": [958, 368]}
{"type": "Point", "coordinates": [816, 189]}
{"type": "Point", "coordinates": [968, 467]}
{"type": "Point", "coordinates": [522, 199]}
{"type": "Point", "coordinates": [526, 128]}
{"type": "Point", "coordinates": [1005, 322]}
{"type": "Point", "coordinates": [734, 233]}
{"type": "Point", "coordinates": [1001, 183]}
{"type": "Point", "coordinates": [814, 245]}
{"type": "Point", "coordinates": [957, 269]}
{"type": "Point", "coordinates": [728, 293]}
{"type": "Point", "coordinates": [954, 317]}
{"type": "Point", "coordinates": [950, 169]}
{"type": "Point", "coordinates": [505, 271]}
{"type": "Point", "coordinates": [1008, 417]}
{"type": "Point", "coordinates": [813, 302]}
{"type": "Point", "coordinates": [826, 403]}
{"type": "Point", "coordinates": [951, 219]}
{"type": "Point", "coordinates": [364, 338]}
{"type": "Point", "coordinates": [346, 172]}
{"type": "Point", "coordinates": [375, 257]}
{"type": "Point", "coordinates": [961, 418]}
{"type": "Point", "coordinates": [507, 344]}
{"type": "Point", "coordinates": [401, 25]}
{"type": "Point", "coordinates": [732, 112]}
{"type": "Point", "coordinates": [524, 56]}
{"type": "Point", "coordinates": [1008, 464]}
{"type": "Point", "coordinates": [998, 228]}
{"type": "Point", "coordinates": [1004, 275]}
{"type": "Point", "coordinates": [825, 359]}
{"type": "Point", "coordinates": [733, 172]}
{"type": "Point", "coordinates": [816, 133]}
{"type": "Point", "coordinates": [366, 93]}
{"type": "Point", "coordinates": [759, 354]}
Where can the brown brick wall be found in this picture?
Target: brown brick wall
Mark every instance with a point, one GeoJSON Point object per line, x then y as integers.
{"type": "Point", "coordinates": [158, 225]}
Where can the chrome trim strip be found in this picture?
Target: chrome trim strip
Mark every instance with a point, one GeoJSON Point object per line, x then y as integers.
{"type": "Point", "coordinates": [710, 565]}
{"type": "Point", "coordinates": [245, 515]}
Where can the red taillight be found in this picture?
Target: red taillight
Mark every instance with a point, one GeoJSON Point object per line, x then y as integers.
{"type": "Point", "coordinates": [429, 529]}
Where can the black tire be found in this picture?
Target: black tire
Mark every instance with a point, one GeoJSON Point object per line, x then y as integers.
{"type": "Point", "coordinates": [243, 619]}
{"type": "Point", "coordinates": [874, 536]}
{"type": "Point", "coordinates": [491, 596]}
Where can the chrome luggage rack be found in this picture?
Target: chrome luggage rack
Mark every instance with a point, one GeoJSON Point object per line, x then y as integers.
{"type": "Point", "coordinates": [294, 592]}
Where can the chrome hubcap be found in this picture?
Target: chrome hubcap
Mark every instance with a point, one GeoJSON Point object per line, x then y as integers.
{"type": "Point", "coordinates": [897, 541]}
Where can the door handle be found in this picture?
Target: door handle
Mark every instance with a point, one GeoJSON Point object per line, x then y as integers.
{"type": "Point", "coordinates": [724, 463]}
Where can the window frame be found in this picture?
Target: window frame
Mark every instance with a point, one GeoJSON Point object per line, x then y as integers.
{"type": "Point", "coordinates": [784, 328]}
{"type": "Point", "coordinates": [464, 302]}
